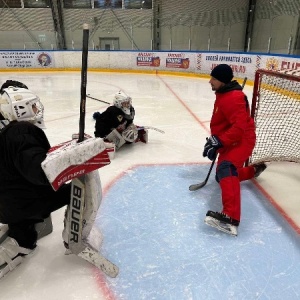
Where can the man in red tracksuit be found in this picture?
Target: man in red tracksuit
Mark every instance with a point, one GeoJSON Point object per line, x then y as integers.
{"type": "Point", "coordinates": [233, 138]}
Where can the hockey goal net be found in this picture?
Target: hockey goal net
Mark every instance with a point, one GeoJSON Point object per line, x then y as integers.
{"type": "Point", "coordinates": [276, 112]}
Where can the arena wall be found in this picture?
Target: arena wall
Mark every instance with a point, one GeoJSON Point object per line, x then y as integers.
{"type": "Point", "coordinates": [177, 63]}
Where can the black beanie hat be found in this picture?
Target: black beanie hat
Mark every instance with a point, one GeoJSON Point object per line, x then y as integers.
{"type": "Point", "coordinates": [223, 73]}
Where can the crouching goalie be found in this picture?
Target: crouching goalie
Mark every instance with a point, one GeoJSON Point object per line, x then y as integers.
{"type": "Point", "coordinates": [115, 124]}
{"type": "Point", "coordinates": [28, 194]}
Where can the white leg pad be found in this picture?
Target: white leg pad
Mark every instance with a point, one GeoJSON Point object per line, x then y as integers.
{"type": "Point", "coordinates": [80, 239]}
{"type": "Point", "coordinates": [116, 138]}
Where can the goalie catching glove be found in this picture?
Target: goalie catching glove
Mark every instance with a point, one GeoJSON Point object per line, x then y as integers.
{"type": "Point", "coordinates": [130, 134]}
{"type": "Point", "coordinates": [213, 143]}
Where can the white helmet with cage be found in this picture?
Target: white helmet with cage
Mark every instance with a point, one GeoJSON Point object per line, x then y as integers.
{"type": "Point", "coordinates": [123, 102]}
{"type": "Point", "coordinates": [21, 104]}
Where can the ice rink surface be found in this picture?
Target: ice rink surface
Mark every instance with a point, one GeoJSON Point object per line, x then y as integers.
{"type": "Point", "coordinates": [152, 224]}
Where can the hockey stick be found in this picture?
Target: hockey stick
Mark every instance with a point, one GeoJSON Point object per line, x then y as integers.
{"type": "Point", "coordinates": [200, 185]}
{"type": "Point", "coordinates": [85, 44]}
{"type": "Point", "coordinates": [88, 96]}
{"type": "Point", "coordinates": [244, 82]}
{"type": "Point", "coordinates": [78, 185]}
{"type": "Point", "coordinates": [75, 216]}
{"type": "Point", "coordinates": [150, 127]}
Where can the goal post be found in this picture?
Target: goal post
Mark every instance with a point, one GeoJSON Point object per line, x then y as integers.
{"type": "Point", "coordinates": [276, 113]}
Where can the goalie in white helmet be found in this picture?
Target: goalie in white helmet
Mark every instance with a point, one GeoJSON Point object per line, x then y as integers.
{"type": "Point", "coordinates": [26, 196]}
{"type": "Point", "coordinates": [9, 83]}
{"type": "Point", "coordinates": [115, 124]}
{"type": "Point", "coordinates": [20, 104]}
{"type": "Point", "coordinates": [124, 102]}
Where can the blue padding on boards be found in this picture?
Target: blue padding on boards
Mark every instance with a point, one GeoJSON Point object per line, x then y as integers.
{"type": "Point", "coordinates": [154, 230]}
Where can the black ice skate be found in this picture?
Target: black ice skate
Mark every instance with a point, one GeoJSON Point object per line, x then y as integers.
{"type": "Point", "coordinates": [222, 222]}
{"type": "Point", "coordinates": [259, 168]}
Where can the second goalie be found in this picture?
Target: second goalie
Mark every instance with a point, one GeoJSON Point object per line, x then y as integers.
{"type": "Point", "coordinates": [115, 124]}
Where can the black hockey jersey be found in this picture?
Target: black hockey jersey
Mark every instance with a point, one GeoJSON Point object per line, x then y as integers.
{"type": "Point", "coordinates": [23, 184]}
{"type": "Point", "coordinates": [112, 118]}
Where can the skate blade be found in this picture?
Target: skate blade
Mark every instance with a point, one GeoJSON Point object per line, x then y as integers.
{"type": "Point", "coordinates": [227, 228]}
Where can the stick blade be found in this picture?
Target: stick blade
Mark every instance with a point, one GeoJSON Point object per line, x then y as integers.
{"type": "Point", "coordinates": [99, 261]}
{"type": "Point", "coordinates": [197, 186]}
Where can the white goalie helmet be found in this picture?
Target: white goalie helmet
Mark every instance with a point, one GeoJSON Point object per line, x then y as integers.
{"type": "Point", "coordinates": [130, 134]}
{"type": "Point", "coordinates": [123, 102]}
{"type": "Point", "coordinates": [21, 104]}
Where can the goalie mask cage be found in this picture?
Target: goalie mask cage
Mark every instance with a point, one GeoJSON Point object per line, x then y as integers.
{"type": "Point", "coordinates": [276, 112]}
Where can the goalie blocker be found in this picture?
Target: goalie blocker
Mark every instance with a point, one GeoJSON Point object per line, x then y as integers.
{"type": "Point", "coordinates": [71, 160]}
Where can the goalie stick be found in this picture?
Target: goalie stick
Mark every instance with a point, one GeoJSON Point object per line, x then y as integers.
{"type": "Point", "coordinates": [85, 44]}
{"type": "Point", "coordinates": [197, 186]}
{"type": "Point", "coordinates": [88, 96]}
{"type": "Point", "coordinates": [150, 127]}
{"type": "Point", "coordinates": [77, 202]}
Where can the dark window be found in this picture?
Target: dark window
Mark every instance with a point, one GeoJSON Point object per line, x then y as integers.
{"type": "Point", "coordinates": [36, 3]}
{"type": "Point", "coordinates": [77, 4]}
{"type": "Point", "coordinates": [11, 4]}
{"type": "Point", "coordinates": [108, 3]}
{"type": "Point", "coordinates": [138, 4]}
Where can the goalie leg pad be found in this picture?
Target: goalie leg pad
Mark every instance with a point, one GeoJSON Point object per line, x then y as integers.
{"type": "Point", "coordinates": [79, 236]}
{"type": "Point", "coordinates": [86, 195]}
{"type": "Point", "coordinates": [142, 136]}
{"type": "Point", "coordinates": [11, 255]}
{"type": "Point", "coordinates": [116, 138]}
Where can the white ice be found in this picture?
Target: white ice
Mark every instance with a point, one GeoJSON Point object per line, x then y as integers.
{"type": "Point", "coordinates": [182, 107]}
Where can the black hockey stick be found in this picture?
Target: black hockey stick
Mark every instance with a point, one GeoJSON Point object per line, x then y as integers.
{"type": "Point", "coordinates": [244, 82]}
{"type": "Point", "coordinates": [78, 189]}
{"type": "Point", "coordinates": [88, 96]}
{"type": "Point", "coordinates": [85, 45]}
{"type": "Point", "coordinates": [78, 184]}
{"type": "Point", "coordinates": [200, 185]}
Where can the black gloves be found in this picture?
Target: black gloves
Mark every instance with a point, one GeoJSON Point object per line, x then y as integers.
{"type": "Point", "coordinates": [212, 145]}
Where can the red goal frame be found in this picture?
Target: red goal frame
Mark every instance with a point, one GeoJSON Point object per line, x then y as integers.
{"type": "Point", "coordinates": [276, 94]}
